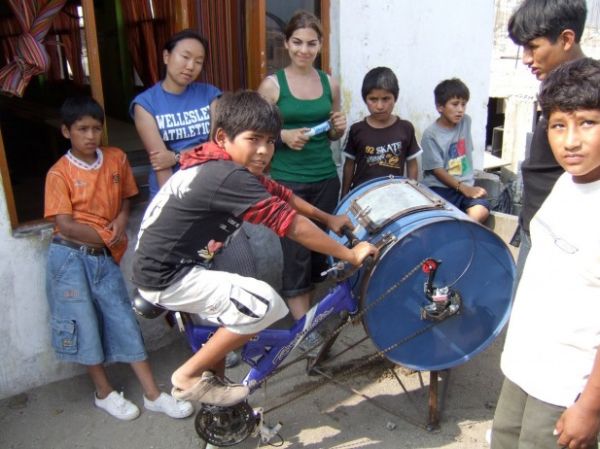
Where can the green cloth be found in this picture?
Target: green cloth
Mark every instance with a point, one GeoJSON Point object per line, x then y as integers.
{"type": "Point", "coordinates": [314, 162]}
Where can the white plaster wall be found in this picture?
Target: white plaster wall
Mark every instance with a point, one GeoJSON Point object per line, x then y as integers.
{"type": "Point", "coordinates": [423, 42]}
{"type": "Point", "coordinates": [26, 359]}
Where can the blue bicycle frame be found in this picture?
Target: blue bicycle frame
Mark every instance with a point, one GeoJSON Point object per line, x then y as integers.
{"type": "Point", "coordinates": [265, 352]}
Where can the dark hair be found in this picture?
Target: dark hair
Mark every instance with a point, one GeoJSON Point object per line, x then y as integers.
{"type": "Point", "coordinates": [380, 78]}
{"type": "Point", "coordinates": [449, 89]}
{"type": "Point", "coordinates": [303, 19]}
{"type": "Point", "coordinates": [185, 34]}
{"type": "Point", "coordinates": [76, 108]}
{"type": "Point", "coordinates": [571, 86]}
{"type": "Point", "coordinates": [546, 18]}
{"type": "Point", "coordinates": [246, 110]}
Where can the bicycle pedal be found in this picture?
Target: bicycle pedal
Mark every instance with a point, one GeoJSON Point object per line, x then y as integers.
{"type": "Point", "coordinates": [265, 432]}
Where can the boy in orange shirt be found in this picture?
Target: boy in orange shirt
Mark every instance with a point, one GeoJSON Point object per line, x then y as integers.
{"type": "Point", "coordinates": [92, 322]}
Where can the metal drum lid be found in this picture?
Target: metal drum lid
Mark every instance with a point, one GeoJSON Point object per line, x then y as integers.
{"type": "Point", "coordinates": [474, 264]}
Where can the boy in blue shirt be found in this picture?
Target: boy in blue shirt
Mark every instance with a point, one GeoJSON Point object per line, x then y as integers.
{"type": "Point", "coordinates": [382, 144]}
{"type": "Point", "coordinates": [447, 147]}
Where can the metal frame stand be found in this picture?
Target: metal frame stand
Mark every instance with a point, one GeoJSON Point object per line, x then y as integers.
{"type": "Point", "coordinates": [437, 398]}
{"type": "Point", "coordinates": [437, 391]}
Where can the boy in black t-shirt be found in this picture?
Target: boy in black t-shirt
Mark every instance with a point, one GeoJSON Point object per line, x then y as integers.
{"type": "Point", "coordinates": [196, 212]}
{"type": "Point", "coordinates": [382, 144]}
{"type": "Point", "coordinates": [550, 33]}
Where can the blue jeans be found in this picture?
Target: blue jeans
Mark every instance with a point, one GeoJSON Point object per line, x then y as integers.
{"type": "Point", "coordinates": [91, 316]}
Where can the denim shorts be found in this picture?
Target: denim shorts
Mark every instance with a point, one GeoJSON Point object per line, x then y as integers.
{"type": "Point", "coordinates": [459, 200]}
{"type": "Point", "coordinates": [91, 316]}
{"type": "Point", "coordinates": [301, 266]}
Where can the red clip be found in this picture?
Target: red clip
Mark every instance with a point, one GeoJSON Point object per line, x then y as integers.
{"type": "Point", "coordinates": [429, 265]}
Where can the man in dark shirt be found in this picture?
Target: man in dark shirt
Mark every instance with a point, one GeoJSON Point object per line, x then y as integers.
{"type": "Point", "coordinates": [550, 33]}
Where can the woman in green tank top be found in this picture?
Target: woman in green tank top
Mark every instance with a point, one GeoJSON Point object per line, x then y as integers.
{"type": "Point", "coordinates": [306, 97]}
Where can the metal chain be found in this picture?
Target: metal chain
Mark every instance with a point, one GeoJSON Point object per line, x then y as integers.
{"type": "Point", "coordinates": [379, 299]}
{"type": "Point", "coordinates": [343, 326]}
{"type": "Point", "coordinates": [376, 355]}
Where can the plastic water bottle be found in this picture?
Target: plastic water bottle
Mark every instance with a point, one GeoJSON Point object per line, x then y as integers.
{"type": "Point", "coordinates": [318, 129]}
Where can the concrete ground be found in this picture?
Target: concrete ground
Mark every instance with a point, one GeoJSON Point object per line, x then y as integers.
{"type": "Point", "coordinates": [62, 415]}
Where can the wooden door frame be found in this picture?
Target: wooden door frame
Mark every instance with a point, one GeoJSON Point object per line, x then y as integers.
{"type": "Point", "coordinates": [7, 186]}
{"type": "Point", "coordinates": [93, 52]}
{"type": "Point", "coordinates": [256, 40]}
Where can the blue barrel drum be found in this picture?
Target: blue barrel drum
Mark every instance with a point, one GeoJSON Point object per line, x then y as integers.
{"type": "Point", "coordinates": [456, 301]}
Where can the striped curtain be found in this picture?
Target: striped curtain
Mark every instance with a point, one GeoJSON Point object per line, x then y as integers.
{"type": "Point", "coordinates": [30, 57]}
{"type": "Point", "coordinates": [145, 50]}
{"type": "Point", "coordinates": [150, 23]}
{"type": "Point", "coordinates": [222, 22]}
{"type": "Point", "coordinates": [164, 26]}
{"type": "Point", "coordinates": [9, 35]}
{"type": "Point", "coordinates": [66, 28]}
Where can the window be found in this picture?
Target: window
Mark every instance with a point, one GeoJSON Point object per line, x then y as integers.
{"type": "Point", "coordinates": [30, 125]}
{"type": "Point", "coordinates": [265, 37]}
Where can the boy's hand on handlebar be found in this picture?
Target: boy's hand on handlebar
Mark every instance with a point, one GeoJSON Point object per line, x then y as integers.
{"type": "Point", "coordinates": [361, 251]}
{"type": "Point", "coordinates": [337, 222]}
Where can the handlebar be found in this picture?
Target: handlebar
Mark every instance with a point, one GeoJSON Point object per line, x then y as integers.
{"type": "Point", "coordinates": [352, 239]}
{"type": "Point", "coordinates": [342, 270]}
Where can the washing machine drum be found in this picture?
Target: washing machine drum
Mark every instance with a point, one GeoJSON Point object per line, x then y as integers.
{"type": "Point", "coordinates": [441, 289]}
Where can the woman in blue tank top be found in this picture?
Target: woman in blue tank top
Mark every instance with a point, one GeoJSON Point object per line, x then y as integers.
{"type": "Point", "coordinates": [174, 114]}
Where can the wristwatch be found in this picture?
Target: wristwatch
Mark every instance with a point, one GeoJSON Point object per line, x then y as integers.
{"type": "Point", "coordinates": [177, 157]}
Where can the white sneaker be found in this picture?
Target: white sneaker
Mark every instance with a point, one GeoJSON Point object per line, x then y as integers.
{"type": "Point", "coordinates": [116, 405]}
{"type": "Point", "coordinates": [167, 404]}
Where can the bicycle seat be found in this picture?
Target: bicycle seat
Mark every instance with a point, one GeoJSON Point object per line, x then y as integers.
{"type": "Point", "coordinates": [145, 308]}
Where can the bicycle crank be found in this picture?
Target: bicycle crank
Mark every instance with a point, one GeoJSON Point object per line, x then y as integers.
{"type": "Point", "coordinates": [225, 426]}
